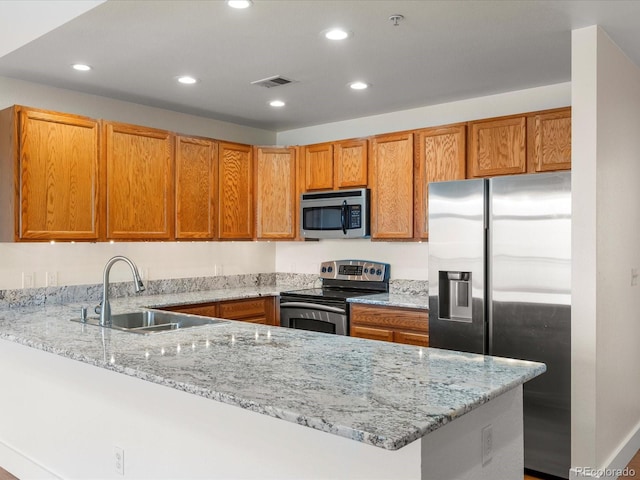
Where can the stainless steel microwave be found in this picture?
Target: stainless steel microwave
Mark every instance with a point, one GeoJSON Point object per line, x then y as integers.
{"type": "Point", "coordinates": [335, 214]}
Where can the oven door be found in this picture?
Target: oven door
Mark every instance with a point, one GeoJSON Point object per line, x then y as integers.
{"type": "Point", "coordinates": [314, 317]}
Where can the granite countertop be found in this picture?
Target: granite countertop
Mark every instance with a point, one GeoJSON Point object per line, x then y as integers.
{"type": "Point", "coordinates": [394, 300]}
{"type": "Point", "coordinates": [378, 393]}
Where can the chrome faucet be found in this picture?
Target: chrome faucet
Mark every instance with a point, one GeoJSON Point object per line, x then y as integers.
{"type": "Point", "coordinates": [105, 308]}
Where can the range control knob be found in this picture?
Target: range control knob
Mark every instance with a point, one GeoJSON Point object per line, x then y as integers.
{"type": "Point", "coordinates": [329, 269]}
{"type": "Point", "coordinates": [366, 270]}
{"type": "Point", "coordinates": [324, 269]}
{"type": "Point", "coordinates": [378, 272]}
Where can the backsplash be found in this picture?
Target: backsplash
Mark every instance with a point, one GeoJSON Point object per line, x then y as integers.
{"type": "Point", "coordinates": [93, 293]}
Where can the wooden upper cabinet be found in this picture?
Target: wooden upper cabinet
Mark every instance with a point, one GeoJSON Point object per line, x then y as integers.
{"type": "Point", "coordinates": [139, 182]}
{"type": "Point", "coordinates": [196, 167]}
{"type": "Point", "coordinates": [276, 193]}
{"type": "Point", "coordinates": [391, 182]}
{"type": "Point", "coordinates": [351, 164]}
{"type": "Point", "coordinates": [337, 165]}
{"type": "Point", "coordinates": [549, 135]}
{"type": "Point", "coordinates": [440, 156]}
{"type": "Point", "coordinates": [57, 176]}
{"type": "Point", "coordinates": [235, 191]}
{"type": "Point", "coordinates": [318, 166]}
{"type": "Point", "coordinates": [497, 147]}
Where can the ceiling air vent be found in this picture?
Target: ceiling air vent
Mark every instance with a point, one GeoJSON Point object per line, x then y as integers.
{"type": "Point", "coordinates": [272, 82]}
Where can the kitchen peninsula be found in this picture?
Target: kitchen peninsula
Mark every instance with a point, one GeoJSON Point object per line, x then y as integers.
{"type": "Point", "coordinates": [232, 400]}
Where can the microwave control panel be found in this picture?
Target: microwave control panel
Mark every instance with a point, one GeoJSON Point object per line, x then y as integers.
{"type": "Point", "coordinates": [355, 216]}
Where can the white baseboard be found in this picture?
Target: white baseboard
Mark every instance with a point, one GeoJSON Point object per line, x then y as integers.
{"type": "Point", "coordinates": [19, 465]}
{"type": "Point", "coordinates": [615, 466]}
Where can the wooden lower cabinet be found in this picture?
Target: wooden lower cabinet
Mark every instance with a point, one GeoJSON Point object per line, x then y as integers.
{"type": "Point", "coordinates": [391, 324]}
{"type": "Point", "coordinates": [254, 310]}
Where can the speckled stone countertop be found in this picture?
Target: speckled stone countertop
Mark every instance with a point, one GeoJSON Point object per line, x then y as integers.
{"type": "Point", "coordinates": [382, 394]}
{"type": "Point", "coordinates": [394, 300]}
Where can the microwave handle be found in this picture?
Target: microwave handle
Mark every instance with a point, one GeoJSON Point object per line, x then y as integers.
{"type": "Point", "coordinates": [343, 217]}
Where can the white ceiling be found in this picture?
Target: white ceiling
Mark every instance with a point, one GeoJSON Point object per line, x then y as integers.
{"type": "Point", "coordinates": [442, 51]}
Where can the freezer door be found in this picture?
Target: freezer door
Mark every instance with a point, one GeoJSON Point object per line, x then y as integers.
{"type": "Point", "coordinates": [530, 304]}
{"type": "Point", "coordinates": [456, 265]}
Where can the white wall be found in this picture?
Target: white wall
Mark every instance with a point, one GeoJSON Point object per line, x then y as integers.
{"type": "Point", "coordinates": [606, 248]}
{"type": "Point", "coordinates": [408, 260]}
{"type": "Point", "coordinates": [540, 98]}
{"type": "Point", "coordinates": [30, 94]}
{"type": "Point", "coordinates": [83, 263]}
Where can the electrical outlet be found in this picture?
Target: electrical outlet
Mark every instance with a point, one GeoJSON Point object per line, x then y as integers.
{"type": "Point", "coordinates": [487, 444]}
{"type": "Point", "coordinates": [634, 277]}
{"type": "Point", "coordinates": [28, 279]}
{"type": "Point", "coordinates": [52, 279]}
{"type": "Point", "coordinates": [119, 460]}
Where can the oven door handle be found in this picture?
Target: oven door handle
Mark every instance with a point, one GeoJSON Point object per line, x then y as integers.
{"type": "Point", "coordinates": [314, 306]}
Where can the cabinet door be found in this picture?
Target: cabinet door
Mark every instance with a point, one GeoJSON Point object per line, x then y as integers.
{"type": "Point", "coordinates": [550, 141]}
{"type": "Point", "coordinates": [59, 171]}
{"type": "Point", "coordinates": [351, 164]}
{"type": "Point", "coordinates": [139, 182]}
{"type": "Point", "coordinates": [276, 198]}
{"type": "Point", "coordinates": [497, 147]}
{"type": "Point", "coordinates": [196, 165]}
{"type": "Point", "coordinates": [318, 167]}
{"type": "Point", "coordinates": [235, 167]}
{"type": "Point", "coordinates": [441, 156]}
{"type": "Point", "coordinates": [392, 186]}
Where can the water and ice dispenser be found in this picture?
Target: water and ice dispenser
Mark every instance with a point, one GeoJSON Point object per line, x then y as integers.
{"type": "Point", "coordinates": [455, 295]}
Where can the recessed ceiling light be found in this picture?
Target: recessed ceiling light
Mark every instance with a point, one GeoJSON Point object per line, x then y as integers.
{"type": "Point", "coordinates": [277, 103]}
{"type": "Point", "coordinates": [336, 34]}
{"type": "Point", "coordinates": [187, 80]}
{"type": "Point", "coordinates": [239, 3]}
{"type": "Point", "coordinates": [359, 85]}
{"type": "Point", "coordinates": [81, 67]}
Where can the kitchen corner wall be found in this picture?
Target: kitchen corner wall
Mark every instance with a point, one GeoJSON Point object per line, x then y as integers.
{"type": "Point", "coordinates": [606, 252]}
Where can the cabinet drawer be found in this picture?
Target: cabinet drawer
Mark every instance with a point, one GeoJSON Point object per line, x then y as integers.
{"type": "Point", "coordinates": [411, 338]}
{"type": "Point", "coordinates": [261, 320]}
{"type": "Point", "coordinates": [372, 333]}
{"type": "Point", "coordinates": [390, 317]}
{"type": "Point", "coordinates": [239, 309]}
{"type": "Point", "coordinates": [204, 309]}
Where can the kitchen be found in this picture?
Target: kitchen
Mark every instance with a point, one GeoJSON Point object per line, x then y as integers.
{"type": "Point", "coordinates": [82, 263]}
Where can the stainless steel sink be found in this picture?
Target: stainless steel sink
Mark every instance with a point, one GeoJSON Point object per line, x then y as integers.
{"type": "Point", "coordinates": [152, 321]}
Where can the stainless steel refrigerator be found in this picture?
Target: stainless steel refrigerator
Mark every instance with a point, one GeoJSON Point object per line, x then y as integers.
{"type": "Point", "coordinates": [500, 284]}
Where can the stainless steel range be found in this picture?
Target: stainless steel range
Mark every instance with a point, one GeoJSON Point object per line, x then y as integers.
{"type": "Point", "coordinates": [325, 309]}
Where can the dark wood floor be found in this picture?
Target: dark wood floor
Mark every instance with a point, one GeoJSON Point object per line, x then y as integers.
{"type": "Point", "coordinates": [634, 465]}
{"type": "Point", "coordinates": [4, 475]}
